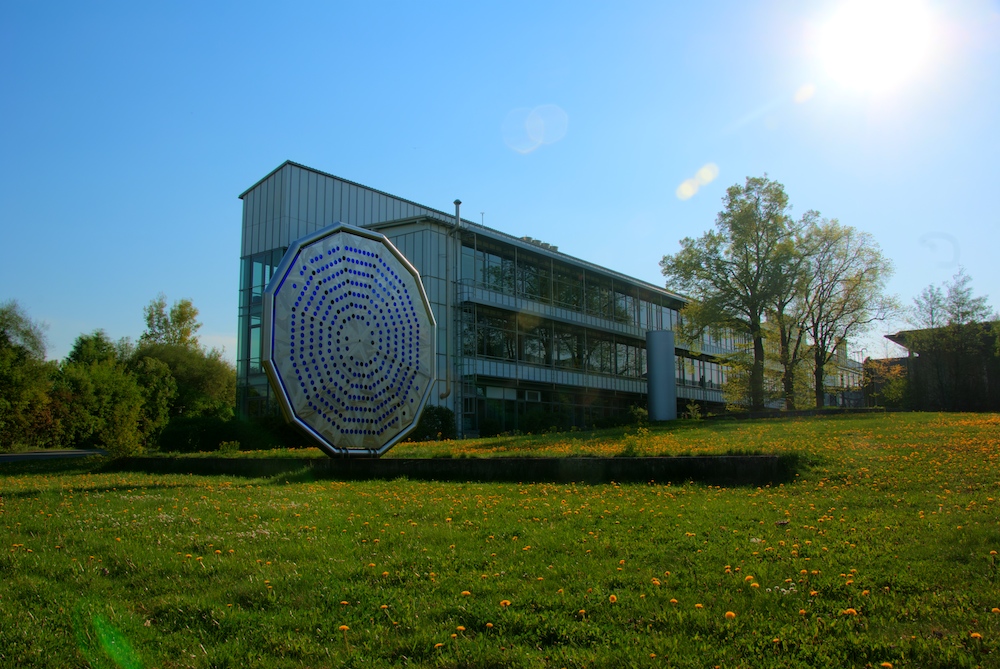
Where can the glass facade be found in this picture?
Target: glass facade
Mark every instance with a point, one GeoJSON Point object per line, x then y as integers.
{"type": "Point", "coordinates": [253, 394]}
{"type": "Point", "coordinates": [579, 319]}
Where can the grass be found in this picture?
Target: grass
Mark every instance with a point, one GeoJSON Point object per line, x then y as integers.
{"type": "Point", "coordinates": [883, 550]}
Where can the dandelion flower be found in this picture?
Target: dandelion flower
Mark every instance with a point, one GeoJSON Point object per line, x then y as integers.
{"type": "Point", "coordinates": [849, 612]}
{"type": "Point", "coordinates": [995, 610]}
{"type": "Point", "coordinates": [344, 628]}
{"type": "Point", "coordinates": [886, 665]}
{"type": "Point", "coordinates": [460, 628]}
{"type": "Point", "coordinates": [505, 603]}
{"type": "Point", "coordinates": [466, 593]}
{"type": "Point", "coordinates": [730, 615]}
{"type": "Point", "coordinates": [439, 645]}
{"type": "Point", "coordinates": [489, 626]}
{"type": "Point", "coordinates": [975, 635]}
{"type": "Point", "coordinates": [698, 606]}
{"type": "Point", "coordinates": [673, 601]}
{"type": "Point", "coordinates": [612, 599]}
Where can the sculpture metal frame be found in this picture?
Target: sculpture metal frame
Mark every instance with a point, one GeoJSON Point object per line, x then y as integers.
{"type": "Point", "coordinates": [357, 374]}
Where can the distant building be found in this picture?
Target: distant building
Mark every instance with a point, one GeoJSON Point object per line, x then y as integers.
{"type": "Point", "coordinates": [952, 368]}
{"type": "Point", "coordinates": [528, 337]}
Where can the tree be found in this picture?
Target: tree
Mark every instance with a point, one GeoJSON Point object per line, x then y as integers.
{"type": "Point", "coordinates": [99, 402]}
{"type": "Point", "coordinates": [734, 273]}
{"type": "Point", "coordinates": [24, 380]}
{"type": "Point", "coordinates": [787, 312]}
{"type": "Point", "coordinates": [205, 381]}
{"type": "Point", "coordinates": [158, 389]}
{"type": "Point", "coordinates": [93, 348]}
{"type": "Point", "coordinates": [100, 406]}
{"type": "Point", "coordinates": [844, 291]}
{"type": "Point", "coordinates": [176, 327]}
{"type": "Point", "coordinates": [884, 382]}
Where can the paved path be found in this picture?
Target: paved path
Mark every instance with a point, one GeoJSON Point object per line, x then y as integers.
{"type": "Point", "coordinates": [47, 455]}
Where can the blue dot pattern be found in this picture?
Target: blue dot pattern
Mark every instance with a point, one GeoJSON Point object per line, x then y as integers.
{"type": "Point", "coordinates": [354, 350]}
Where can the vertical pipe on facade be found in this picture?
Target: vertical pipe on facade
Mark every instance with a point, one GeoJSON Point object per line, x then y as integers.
{"type": "Point", "coordinates": [449, 288]}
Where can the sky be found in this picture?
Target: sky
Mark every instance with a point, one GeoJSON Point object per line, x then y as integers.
{"type": "Point", "coordinates": [612, 130]}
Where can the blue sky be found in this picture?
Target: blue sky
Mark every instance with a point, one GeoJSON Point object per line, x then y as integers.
{"type": "Point", "coordinates": [127, 131]}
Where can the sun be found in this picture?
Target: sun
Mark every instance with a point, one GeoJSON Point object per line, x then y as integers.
{"type": "Point", "coordinates": [875, 46]}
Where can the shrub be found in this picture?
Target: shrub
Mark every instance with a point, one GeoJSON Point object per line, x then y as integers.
{"type": "Point", "coordinates": [436, 423]}
{"type": "Point", "coordinates": [229, 447]}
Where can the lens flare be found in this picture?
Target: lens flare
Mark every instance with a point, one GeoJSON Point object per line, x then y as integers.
{"type": "Point", "coordinates": [805, 92]}
{"type": "Point", "coordinates": [524, 130]}
{"type": "Point", "coordinates": [704, 176]}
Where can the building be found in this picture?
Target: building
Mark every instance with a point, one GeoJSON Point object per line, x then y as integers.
{"type": "Point", "coordinates": [528, 337]}
{"type": "Point", "coordinates": [955, 367]}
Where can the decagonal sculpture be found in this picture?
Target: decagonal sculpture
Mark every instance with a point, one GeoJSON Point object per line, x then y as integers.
{"type": "Point", "coordinates": [349, 340]}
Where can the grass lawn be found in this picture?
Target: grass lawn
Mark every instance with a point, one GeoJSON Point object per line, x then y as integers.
{"type": "Point", "coordinates": [883, 551]}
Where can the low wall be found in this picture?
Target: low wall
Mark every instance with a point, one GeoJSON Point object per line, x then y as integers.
{"type": "Point", "coordinates": [709, 469]}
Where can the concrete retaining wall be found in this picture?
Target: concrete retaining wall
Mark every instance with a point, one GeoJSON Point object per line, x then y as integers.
{"type": "Point", "coordinates": [715, 470]}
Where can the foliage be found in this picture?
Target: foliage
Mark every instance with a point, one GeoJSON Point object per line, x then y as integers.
{"type": "Point", "coordinates": [885, 382]}
{"type": "Point", "coordinates": [882, 551]}
{"type": "Point", "coordinates": [638, 415]}
{"type": "Point", "coordinates": [206, 382]}
{"type": "Point", "coordinates": [174, 328]}
{"type": "Point", "coordinates": [158, 388]}
{"type": "Point", "coordinates": [25, 419]}
{"type": "Point", "coordinates": [787, 314]}
{"type": "Point", "coordinates": [189, 434]}
{"type": "Point", "coordinates": [693, 411]}
{"type": "Point", "coordinates": [229, 447]}
{"type": "Point", "coordinates": [436, 423]}
{"type": "Point", "coordinates": [735, 272]}
{"type": "Point", "coordinates": [845, 291]}
{"type": "Point", "coordinates": [99, 405]}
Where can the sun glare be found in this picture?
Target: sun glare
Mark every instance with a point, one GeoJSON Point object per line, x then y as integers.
{"type": "Point", "coordinates": [874, 46]}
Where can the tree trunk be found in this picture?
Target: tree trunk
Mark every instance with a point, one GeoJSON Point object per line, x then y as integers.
{"type": "Point", "coordinates": [757, 371]}
{"type": "Point", "coordinates": [819, 364]}
{"type": "Point", "coordinates": [788, 384]}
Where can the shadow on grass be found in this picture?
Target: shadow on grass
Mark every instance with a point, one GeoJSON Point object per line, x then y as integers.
{"type": "Point", "coordinates": [728, 470]}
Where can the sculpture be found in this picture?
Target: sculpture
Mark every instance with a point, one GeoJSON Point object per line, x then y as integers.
{"type": "Point", "coordinates": [349, 340]}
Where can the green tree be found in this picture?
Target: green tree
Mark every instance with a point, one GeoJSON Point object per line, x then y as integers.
{"type": "Point", "coordinates": [176, 327]}
{"type": "Point", "coordinates": [158, 389]}
{"type": "Point", "coordinates": [845, 291]}
{"type": "Point", "coordinates": [735, 272]}
{"type": "Point", "coordinates": [205, 381]}
{"type": "Point", "coordinates": [787, 313]}
{"type": "Point", "coordinates": [100, 404]}
{"type": "Point", "coordinates": [24, 380]}
{"type": "Point", "coordinates": [92, 348]}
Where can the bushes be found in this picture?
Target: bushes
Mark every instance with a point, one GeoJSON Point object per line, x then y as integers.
{"type": "Point", "coordinates": [436, 423]}
{"type": "Point", "coordinates": [209, 433]}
